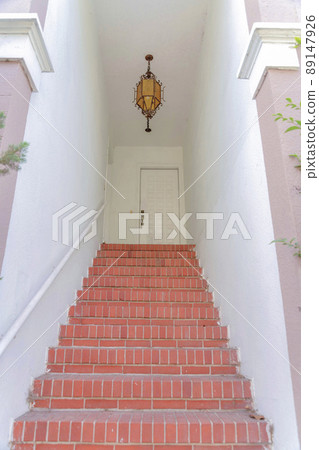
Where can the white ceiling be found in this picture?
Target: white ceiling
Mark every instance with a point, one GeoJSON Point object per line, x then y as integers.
{"type": "Point", "coordinates": [171, 30]}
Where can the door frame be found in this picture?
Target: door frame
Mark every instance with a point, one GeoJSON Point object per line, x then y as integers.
{"type": "Point", "coordinates": [179, 186]}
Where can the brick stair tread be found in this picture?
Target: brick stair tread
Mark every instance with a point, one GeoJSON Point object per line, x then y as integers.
{"type": "Point", "coordinates": [144, 262]}
{"type": "Point", "coordinates": [125, 331]}
{"type": "Point", "coordinates": [126, 377]}
{"type": "Point", "coordinates": [136, 321]}
{"type": "Point", "coordinates": [147, 295]}
{"type": "Point", "coordinates": [168, 295]}
{"type": "Point", "coordinates": [163, 427]}
{"type": "Point", "coordinates": [191, 310]}
{"type": "Point", "coordinates": [158, 254]}
{"type": "Point", "coordinates": [146, 289]}
{"type": "Point", "coordinates": [141, 392]}
{"type": "Point", "coordinates": [148, 247]}
{"type": "Point", "coordinates": [99, 287]}
{"type": "Point", "coordinates": [143, 343]}
{"type": "Point", "coordinates": [170, 277]}
{"type": "Point", "coordinates": [198, 270]}
{"type": "Point", "coordinates": [155, 282]}
{"type": "Point", "coordinates": [149, 304]}
{"type": "Point", "coordinates": [139, 275]}
{"type": "Point", "coordinates": [157, 349]}
{"type": "Point", "coordinates": [144, 272]}
{"type": "Point", "coordinates": [123, 303]}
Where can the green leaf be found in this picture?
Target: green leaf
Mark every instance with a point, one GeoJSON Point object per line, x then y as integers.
{"type": "Point", "coordinates": [289, 100]}
{"type": "Point", "coordinates": [282, 240]}
{"type": "Point", "coordinates": [13, 157]}
{"type": "Point", "coordinates": [292, 128]}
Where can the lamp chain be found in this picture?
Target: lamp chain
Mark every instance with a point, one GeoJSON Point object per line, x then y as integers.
{"type": "Point", "coordinates": [147, 129]}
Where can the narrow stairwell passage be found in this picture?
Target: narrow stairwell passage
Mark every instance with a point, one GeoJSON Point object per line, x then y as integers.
{"type": "Point", "coordinates": [143, 363]}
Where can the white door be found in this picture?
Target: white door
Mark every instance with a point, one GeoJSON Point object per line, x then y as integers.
{"type": "Point", "coordinates": [159, 196]}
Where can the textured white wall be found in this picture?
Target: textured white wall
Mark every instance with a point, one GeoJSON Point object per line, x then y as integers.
{"type": "Point", "coordinates": [244, 272]}
{"type": "Point", "coordinates": [124, 173]}
{"type": "Point", "coordinates": [72, 100]}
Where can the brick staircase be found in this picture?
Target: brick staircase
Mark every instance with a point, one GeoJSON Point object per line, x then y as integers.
{"type": "Point", "coordinates": [143, 363]}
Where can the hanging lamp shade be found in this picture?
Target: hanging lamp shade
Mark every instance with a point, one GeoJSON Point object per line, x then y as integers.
{"type": "Point", "coordinates": [148, 94]}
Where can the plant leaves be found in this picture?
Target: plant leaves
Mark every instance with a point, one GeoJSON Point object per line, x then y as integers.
{"type": "Point", "coordinates": [292, 128]}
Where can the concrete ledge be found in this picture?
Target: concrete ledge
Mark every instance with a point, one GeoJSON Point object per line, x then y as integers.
{"type": "Point", "coordinates": [270, 46]}
{"type": "Point", "coordinates": [21, 39]}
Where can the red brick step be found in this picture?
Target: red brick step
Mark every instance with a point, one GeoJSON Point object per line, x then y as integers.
{"type": "Point", "coordinates": [206, 428]}
{"type": "Point", "coordinates": [143, 360]}
{"type": "Point", "coordinates": [141, 392]}
{"type": "Point", "coordinates": [146, 282]}
{"type": "Point", "coordinates": [146, 254]}
{"type": "Point", "coordinates": [183, 343]}
{"type": "Point", "coordinates": [158, 310]}
{"type": "Point", "coordinates": [154, 295]}
{"type": "Point", "coordinates": [156, 247]}
{"type": "Point", "coordinates": [141, 271]}
{"type": "Point", "coordinates": [153, 332]}
{"type": "Point", "coordinates": [146, 262]}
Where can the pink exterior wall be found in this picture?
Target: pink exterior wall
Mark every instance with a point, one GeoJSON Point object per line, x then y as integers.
{"type": "Point", "coordinates": [16, 110]}
{"type": "Point", "coordinates": [272, 11]}
{"type": "Point", "coordinates": [282, 177]}
{"type": "Point", "coordinates": [25, 6]}
{"type": "Point", "coordinates": [40, 7]}
{"type": "Point", "coordinates": [283, 185]}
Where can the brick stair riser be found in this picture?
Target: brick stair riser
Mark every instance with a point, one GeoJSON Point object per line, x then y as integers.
{"type": "Point", "coordinates": [95, 321]}
{"type": "Point", "coordinates": [164, 332]}
{"type": "Point", "coordinates": [148, 343]}
{"type": "Point", "coordinates": [142, 310]}
{"type": "Point", "coordinates": [137, 432]}
{"type": "Point", "coordinates": [146, 254]}
{"type": "Point", "coordinates": [147, 262]}
{"type": "Point", "coordinates": [144, 282]}
{"type": "Point", "coordinates": [140, 271]}
{"type": "Point", "coordinates": [142, 369]}
{"type": "Point", "coordinates": [142, 404]}
{"type": "Point", "coordinates": [149, 247]}
{"type": "Point", "coordinates": [144, 356]}
{"type": "Point", "coordinates": [147, 393]}
{"type": "Point", "coordinates": [134, 446]}
{"type": "Point", "coordinates": [132, 295]}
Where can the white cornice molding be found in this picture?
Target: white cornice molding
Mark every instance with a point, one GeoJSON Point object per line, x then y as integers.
{"type": "Point", "coordinates": [270, 46]}
{"type": "Point", "coordinates": [21, 39]}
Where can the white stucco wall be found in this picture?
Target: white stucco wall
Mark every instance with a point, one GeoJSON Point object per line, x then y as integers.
{"type": "Point", "coordinates": [124, 173]}
{"type": "Point", "coordinates": [244, 272]}
{"type": "Point", "coordinates": [72, 100]}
